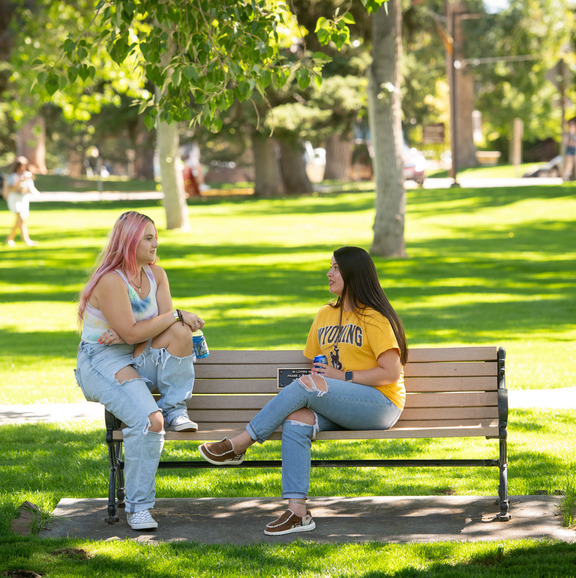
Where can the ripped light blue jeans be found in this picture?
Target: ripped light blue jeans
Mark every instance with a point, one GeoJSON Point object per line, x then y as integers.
{"type": "Point", "coordinates": [343, 405]}
{"type": "Point", "coordinates": [132, 402]}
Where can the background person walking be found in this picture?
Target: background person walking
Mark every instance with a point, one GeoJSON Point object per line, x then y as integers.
{"type": "Point", "coordinates": [17, 191]}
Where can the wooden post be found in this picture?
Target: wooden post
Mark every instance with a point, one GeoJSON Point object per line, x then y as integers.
{"type": "Point", "coordinates": [516, 145]}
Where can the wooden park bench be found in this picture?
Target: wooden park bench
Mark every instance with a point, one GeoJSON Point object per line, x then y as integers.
{"type": "Point", "coordinates": [454, 392]}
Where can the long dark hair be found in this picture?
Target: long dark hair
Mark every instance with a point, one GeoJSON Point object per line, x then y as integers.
{"type": "Point", "coordinates": [362, 289]}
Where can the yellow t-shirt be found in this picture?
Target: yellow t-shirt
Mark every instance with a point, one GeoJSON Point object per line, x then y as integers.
{"type": "Point", "coordinates": [355, 345]}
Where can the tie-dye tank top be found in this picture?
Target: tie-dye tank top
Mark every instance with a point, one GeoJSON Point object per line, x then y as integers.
{"type": "Point", "coordinates": [94, 323]}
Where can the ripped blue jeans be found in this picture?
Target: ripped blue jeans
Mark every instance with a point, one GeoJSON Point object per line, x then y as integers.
{"type": "Point", "coordinates": [341, 405]}
{"type": "Point", "coordinates": [132, 402]}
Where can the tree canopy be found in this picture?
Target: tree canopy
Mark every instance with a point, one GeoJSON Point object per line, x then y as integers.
{"type": "Point", "coordinates": [200, 55]}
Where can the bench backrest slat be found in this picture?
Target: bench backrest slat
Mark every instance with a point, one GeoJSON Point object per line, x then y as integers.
{"type": "Point", "coordinates": [413, 385]}
{"type": "Point", "coordinates": [416, 355]}
{"type": "Point", "coordinates": [450, 387]}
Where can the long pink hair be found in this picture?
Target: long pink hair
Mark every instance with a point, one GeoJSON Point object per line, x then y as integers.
{"type": "Point", "coordinates": [119, 253]}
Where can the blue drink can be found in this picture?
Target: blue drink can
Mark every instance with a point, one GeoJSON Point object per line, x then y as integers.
{"type": "Point", "coordinates": [200, 346]}
{"type": "Point", "coordinates": [320, 359]}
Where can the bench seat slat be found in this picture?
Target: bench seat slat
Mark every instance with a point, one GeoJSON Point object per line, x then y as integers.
{"type": "Point", "coordinates": [436, 430]}
{"type": "Point", "coordinates": [243, 416]}
{"type": "Point", "coordinates": [426, 400]}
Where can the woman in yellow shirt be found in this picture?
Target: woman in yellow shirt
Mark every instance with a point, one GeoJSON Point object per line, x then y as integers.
{"type": "Point", "coordinates": [361, 386]}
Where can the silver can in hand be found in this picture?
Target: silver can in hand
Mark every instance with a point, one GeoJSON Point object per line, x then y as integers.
{"type": "Point", "coordinates": [200, 346]}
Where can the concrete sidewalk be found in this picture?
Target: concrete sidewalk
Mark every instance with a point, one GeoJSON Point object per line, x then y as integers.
{"type": "Point", "coordinates": [241, 521]}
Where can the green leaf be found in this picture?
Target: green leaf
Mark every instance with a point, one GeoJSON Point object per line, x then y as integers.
{"type": "Point", "coordinates": [190, 72]}
{"type": "Point", "coordinates": [127, 12]}
{"type": "Point", "coordinates": [52, 83]}
{"type": "Point", "coordinates": [243, 90]}
{"type": "Point", "coordinates": [323, 36]}
{"type": "Point", "coordinates": [321, 59]}
{"type": "Point", "coordinates": [265, 78]}
{"type": "Point", "coordinates": [143, 105]}
{"type": "Point", "coordinates": [373, 5]}
{"type": "Point", "coordinates": [69, 46]}
{"type": "Point", "coordinates": [81, 53]}
{"type": "Point", "coordinates": [72, 74]}
{"type": "Point", "coordinates": [303, 76]}
{"type": "Point", "coordinates": [348, 18]}
{"type": "Point", "coordinates": [214, 124]}
{"type": "Point", "coordinates": [83, 72]}
{"type": "Point", "coordinates": [150, 121]}
{"type": "Point", "coordinates": [321, 24]}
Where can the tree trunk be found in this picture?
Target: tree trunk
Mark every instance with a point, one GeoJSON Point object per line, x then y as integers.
{"type": "Point", "coordinates": [386, 131]}
{"type": "Point", "coordinates": [465, 149]}
{"type": "Point", "coordinates": [171, 177]}
{"type": "Point", "coordinates": [293, 165]}
{"type": "Point", "coordinates": [338, 158]}
{"type": "Point", "coordinates": [267, 174]}
{"type": "Point", "coordinates": [144, 147]}
{"type": "Point", "coordinates": [31, 143]}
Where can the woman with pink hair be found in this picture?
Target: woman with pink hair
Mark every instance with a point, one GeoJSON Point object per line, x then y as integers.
{"type": "Point", "coordinates": [134, 342]}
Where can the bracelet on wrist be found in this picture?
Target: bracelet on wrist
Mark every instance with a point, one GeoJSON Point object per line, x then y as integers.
{"type": "Point", "coordinates": [175, 313]}
{"type": "Point", "coordinates": [180, 317]}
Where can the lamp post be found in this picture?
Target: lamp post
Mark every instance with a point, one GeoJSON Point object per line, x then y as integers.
{"type": "Point", "coordinates": [456, 63]}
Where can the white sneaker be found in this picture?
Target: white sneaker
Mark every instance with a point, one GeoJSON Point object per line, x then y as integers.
{"type": "Point", "coordinates": [142, 521]}
{"type": "Point", "coordinates": [182, 423]}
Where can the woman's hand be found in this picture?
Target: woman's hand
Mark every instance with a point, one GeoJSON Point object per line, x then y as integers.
{"type": "Point", "coordinates": [110, 337]}
{"type": "Point", "coordinates": [328, 371]}
{"type": "Point", "coordinates": [192, 320]}
{"type": "Point", "coordinates": [388, 370]}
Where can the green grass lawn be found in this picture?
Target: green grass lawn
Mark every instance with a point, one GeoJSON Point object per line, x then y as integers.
{"type": "Point", "coordinates": [81, 184]}
{"type": "Point", "coordinates": [485, 266]}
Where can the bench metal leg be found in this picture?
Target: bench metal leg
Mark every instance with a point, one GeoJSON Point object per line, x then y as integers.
{"type": "Point", "coordinates": [120, 492]}
{"type": "Point", "coordinates": [504, 514]}
{"type": "Point", "coordinates": [116, 476]}
{"type": "Point", "coordinates": [114, 452]}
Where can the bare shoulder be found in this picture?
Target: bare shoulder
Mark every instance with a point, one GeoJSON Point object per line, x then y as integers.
{"type": "Point", "coordinates": [110, 280]}
{"type": "Point", "coordinates": [159, 273]}
{"type": "Point", "coordinates": [110, 286]}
